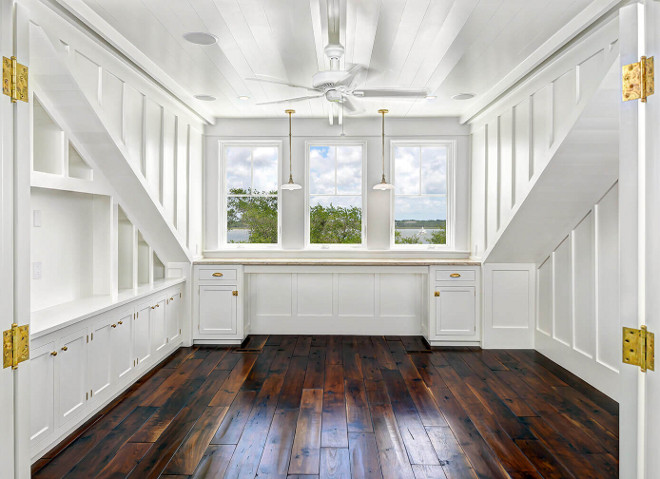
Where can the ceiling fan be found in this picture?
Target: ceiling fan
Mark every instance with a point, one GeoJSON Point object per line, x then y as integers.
{"type": "Point", "coordinates": [337, 86]}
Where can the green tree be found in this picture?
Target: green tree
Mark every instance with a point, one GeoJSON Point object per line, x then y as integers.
{"type": "Point", "coordinates": [398, 239]}
{"type": "Point", "coordinates": [335, 225]}
{"type": "Point", "coordinates": [258, 214]}
{"type": "Point", "coordinates": [439, 237]}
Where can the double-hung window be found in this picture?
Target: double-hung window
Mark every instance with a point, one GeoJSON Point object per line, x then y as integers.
{"type": "Point", "coordinates": [251, 198]}
{"type": "Point", "coordinates": [335, 202]}
{"type": "Point", "coordinates": [422, 194]}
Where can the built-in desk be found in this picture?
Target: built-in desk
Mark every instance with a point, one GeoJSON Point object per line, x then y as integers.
{"type": "Point", "coordinates": [437, 298]}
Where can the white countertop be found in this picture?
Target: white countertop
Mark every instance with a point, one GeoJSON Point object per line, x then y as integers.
{"type": "Point", "coordinates": [338, 261]}
{"type": "Point", "coordinates": [58, 317]}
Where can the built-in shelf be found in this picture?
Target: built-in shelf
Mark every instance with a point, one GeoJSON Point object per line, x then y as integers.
{"type": "Point", "coordinates": [144, 261]}
{"type": "Point", "coordinates": [158, 268]}
{"type": "Point", "coordinates": [57, 317]}
{"type": "Point", "coordinates": [126, 254]}
{"type": "Point", "coordinates": [78, 168]}
{"type": "Point", "coordinates": [48, 141]}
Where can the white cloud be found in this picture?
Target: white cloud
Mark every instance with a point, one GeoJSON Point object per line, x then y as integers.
{"type": "Point", "coordinates": [265, 169]}
{"type": "Point", "coordinates": [406, 170]}
{"type": "Point", "coordinates": [237, 167]}
{"type": "Point", "coordinates": [321, 170]}
{"type": "Point", "coordinates": [434, 170]}
{"type": "Point", "coordinates": [420, 208]}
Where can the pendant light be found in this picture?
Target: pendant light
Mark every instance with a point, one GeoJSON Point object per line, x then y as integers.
{"type": "Point", "coordinates": [290, 185]}
{"type": "Point", "coordinates": [383, 185]}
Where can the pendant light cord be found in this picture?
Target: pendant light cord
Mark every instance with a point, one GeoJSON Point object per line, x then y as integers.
{"type": "Point", "coordinates": [382, 112]}
{"type": "Point", "coordinates": [290, 169]}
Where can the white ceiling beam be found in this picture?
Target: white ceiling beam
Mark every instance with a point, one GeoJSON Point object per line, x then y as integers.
{"type": "Point", "coordinates": [564, 35]}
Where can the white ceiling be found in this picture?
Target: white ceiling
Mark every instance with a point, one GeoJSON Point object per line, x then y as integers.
{"type": "Point", "coordinates": [444, 46]}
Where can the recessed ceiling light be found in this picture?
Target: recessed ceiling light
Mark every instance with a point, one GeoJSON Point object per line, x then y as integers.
{"type": "Point", "coordinates": [205, 97]}
{"type": "Point", "coordinates": [243, 98]}
{"type": "Point", "coordinates": [431, 97]}
{"type": "Point", "coordinates": [463, 96]}
{"type": "Point", "coordinates": [201, 38]}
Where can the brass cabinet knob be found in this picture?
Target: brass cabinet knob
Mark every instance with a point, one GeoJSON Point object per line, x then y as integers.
{"type": "Point", "coordinates": [54, 353]}
{"type": "Point", "coordinates": [437, 293]}
{"type": "Point", "coordinates": [120, 322]}
{"type": "Point", "coordinates": [455, 275]}
{"type": "Point", "coordinates": [64, 348]}
{"type": "Point", "coordinates": [171, 299]}
{"type": "Point", "coordinates": [113, 325]}
{"type": "Point", "coordinates": [158, 305]}
{"type": "Point", "coordinates": [153, 307]}
{"type": "Point", "coordinates": [218, 275]}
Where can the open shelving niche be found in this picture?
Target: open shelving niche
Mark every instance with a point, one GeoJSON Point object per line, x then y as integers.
{"type": "Point", "coordinates": [86, 254]}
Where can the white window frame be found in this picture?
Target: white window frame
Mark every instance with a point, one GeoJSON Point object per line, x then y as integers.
{"type": "Point", "coordinates": [222, 197]}
{"type": "Point", "coordinates": [335, 143]}
{"type": "Point", "coordinates": [451, 193]}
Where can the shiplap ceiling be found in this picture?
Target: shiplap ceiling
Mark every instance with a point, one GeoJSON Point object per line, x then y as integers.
{"type": "Point", "coordinates": [444, 46]}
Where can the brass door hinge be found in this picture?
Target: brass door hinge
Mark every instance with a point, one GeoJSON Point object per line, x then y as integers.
{"type": "Point", "coordinates": [235, 293]}
{"type": "Point", "coordinates": [15, 346]}
{"type": "Point", "coordinates": [639, 348]}
{"type": "Point", "coordinates": [14, 79]}
{"type": "Point", "coordinates": [637, 80]}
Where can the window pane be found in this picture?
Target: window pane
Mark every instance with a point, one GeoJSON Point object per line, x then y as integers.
{"type": "Point", "coordinates": [264, 169]}
{"type": "Point", "coordinates": [420, 220]}
{"type": "Point", "coordinates": [434, 170]}
{"type": "Point", "coordinates": [335, 220]}
{"type": "Point", "coordinates": [252, 220]}
{"type": "Point", "coordinates": [322, 170]}
{"type": "Point", "coordinates": [406, 170]}
{"type": "Point", "coordinates": [238, 169]}
{"type": "Point", "coordinates": [349, 170]}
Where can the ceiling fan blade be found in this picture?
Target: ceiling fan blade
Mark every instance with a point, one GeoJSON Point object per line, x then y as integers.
{"type": "Point", "coordinates": [266, 79]}
{"type": "Point", "coordinates": [349, 106]}
{"type": "Point", "coordinates": [390, 93]}
{"type": "Point", "coordinates": [354, 76]}
{"type": "Point", "coordinates": [291, 100]}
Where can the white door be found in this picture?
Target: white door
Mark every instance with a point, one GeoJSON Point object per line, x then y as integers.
{"type": "Point", "coordinates": [6, 249]}
{"type": "Point", "coordinates": [71, 385]}
{"type": "Point", "coordinates": [172, 317]}
{"type": "Point", "coordinates": [15, 147]}
{"type": "Point", "coordinates": [455, 311]}
{"type": "Point", "coordinates": [639, 255]}
{"type": "Point", "coordinates": [100, 356]}
{"type": "Point", "coordinates": [141, 335]}
{"type": "Point", "coordinates": [122, 346]}
{"type": "Point", "coordinates": [158, 334]}
{"type": "Point", "coordinates": [217, 310]}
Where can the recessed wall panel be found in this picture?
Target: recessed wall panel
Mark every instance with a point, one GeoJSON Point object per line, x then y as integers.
{"type": "Point", "coordinates": [399, 295]}
{"type": "Point", "coordinates": [563, 324]}
{"type": "Point", "coordinates": [314, 294]}
{"type": "Point", "coordinates": [272, 294]}
{"type": "Point", "coordinates": [355, 294]}
{"type": "Point", "coordinates": [545, 298]}
{"type": "Point", "coordinates": [583, 287]}
{"type": "Point", "coordinates": [510, 299]}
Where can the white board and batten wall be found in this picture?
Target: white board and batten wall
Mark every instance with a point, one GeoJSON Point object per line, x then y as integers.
{"type": "Point", "coordinates": [578, 307]}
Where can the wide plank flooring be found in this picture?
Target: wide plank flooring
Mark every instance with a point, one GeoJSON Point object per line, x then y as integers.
{"type": "Point", "coordinates": [347, 406]}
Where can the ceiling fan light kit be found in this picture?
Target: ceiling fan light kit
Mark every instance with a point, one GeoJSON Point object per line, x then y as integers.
{"type": "Point", "coordinates": [383, 185]}
{"type": "Point", "coordinates": [291, 185]}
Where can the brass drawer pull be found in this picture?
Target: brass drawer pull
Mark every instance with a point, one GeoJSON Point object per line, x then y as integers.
{"type": "Point", "coordinates": [54, 353]}
{"type": "Point", "coordinates": [64, 348]}
{"type": "Point", "coordinates": [455, 275]}
{"type": "Point", "coordinates": [120, 322]}
{"type": "Point", "coordinates": [218, 275]}
{"type": "Point", "coordinates": [437, 293]}
{"type": "Point", "coordinates": [113, 325]}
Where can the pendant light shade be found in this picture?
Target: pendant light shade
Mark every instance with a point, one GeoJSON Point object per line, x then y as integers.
{"type": "Point", "coordinates": [290, 185]}
{"type": "Point", "coordinates": [383, 185]}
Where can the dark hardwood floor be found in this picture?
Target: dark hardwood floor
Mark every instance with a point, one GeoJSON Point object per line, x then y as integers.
{"type": "Point", "coordinates": [342, 406]}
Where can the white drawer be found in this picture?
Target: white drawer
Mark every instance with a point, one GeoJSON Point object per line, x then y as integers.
{"type": "Point", "coordinates": [216, 274]}
{"type": "Point", "coordinates": [456, 275]}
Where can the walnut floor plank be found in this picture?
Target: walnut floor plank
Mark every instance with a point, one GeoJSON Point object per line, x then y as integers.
{"type": "Point", "coordinates": [346, 406]}
{"type": "Point", "coordinates": [305, 454]}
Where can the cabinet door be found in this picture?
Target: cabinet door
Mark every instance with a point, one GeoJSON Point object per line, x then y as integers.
{"type": "Point", "coordinates": [157, 318]}
{"type": "Point", "coordinates": [141, 335]}
{"type": "Point", "coordinates": [100, 356]}
{"type": "Point", "coordinates": [173, 317]}
{"type": "Point", "coordinates": [122, 346]}
{"type": "Point", "coordinates": [42, 394]}
{"type": "Point", "coordinates": [217, 310]}
{"type": "Point", "coordinates": [455, 311]}
{"type": "Point", "coordinates": [71, 377]}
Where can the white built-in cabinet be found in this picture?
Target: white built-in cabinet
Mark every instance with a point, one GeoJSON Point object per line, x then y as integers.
{"type": "Point", "coordinates": [454, 304]}
{"type": "Point", "coordinates": [218, 309]}
{"type": "Point", "coordinates": [78, 369]}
